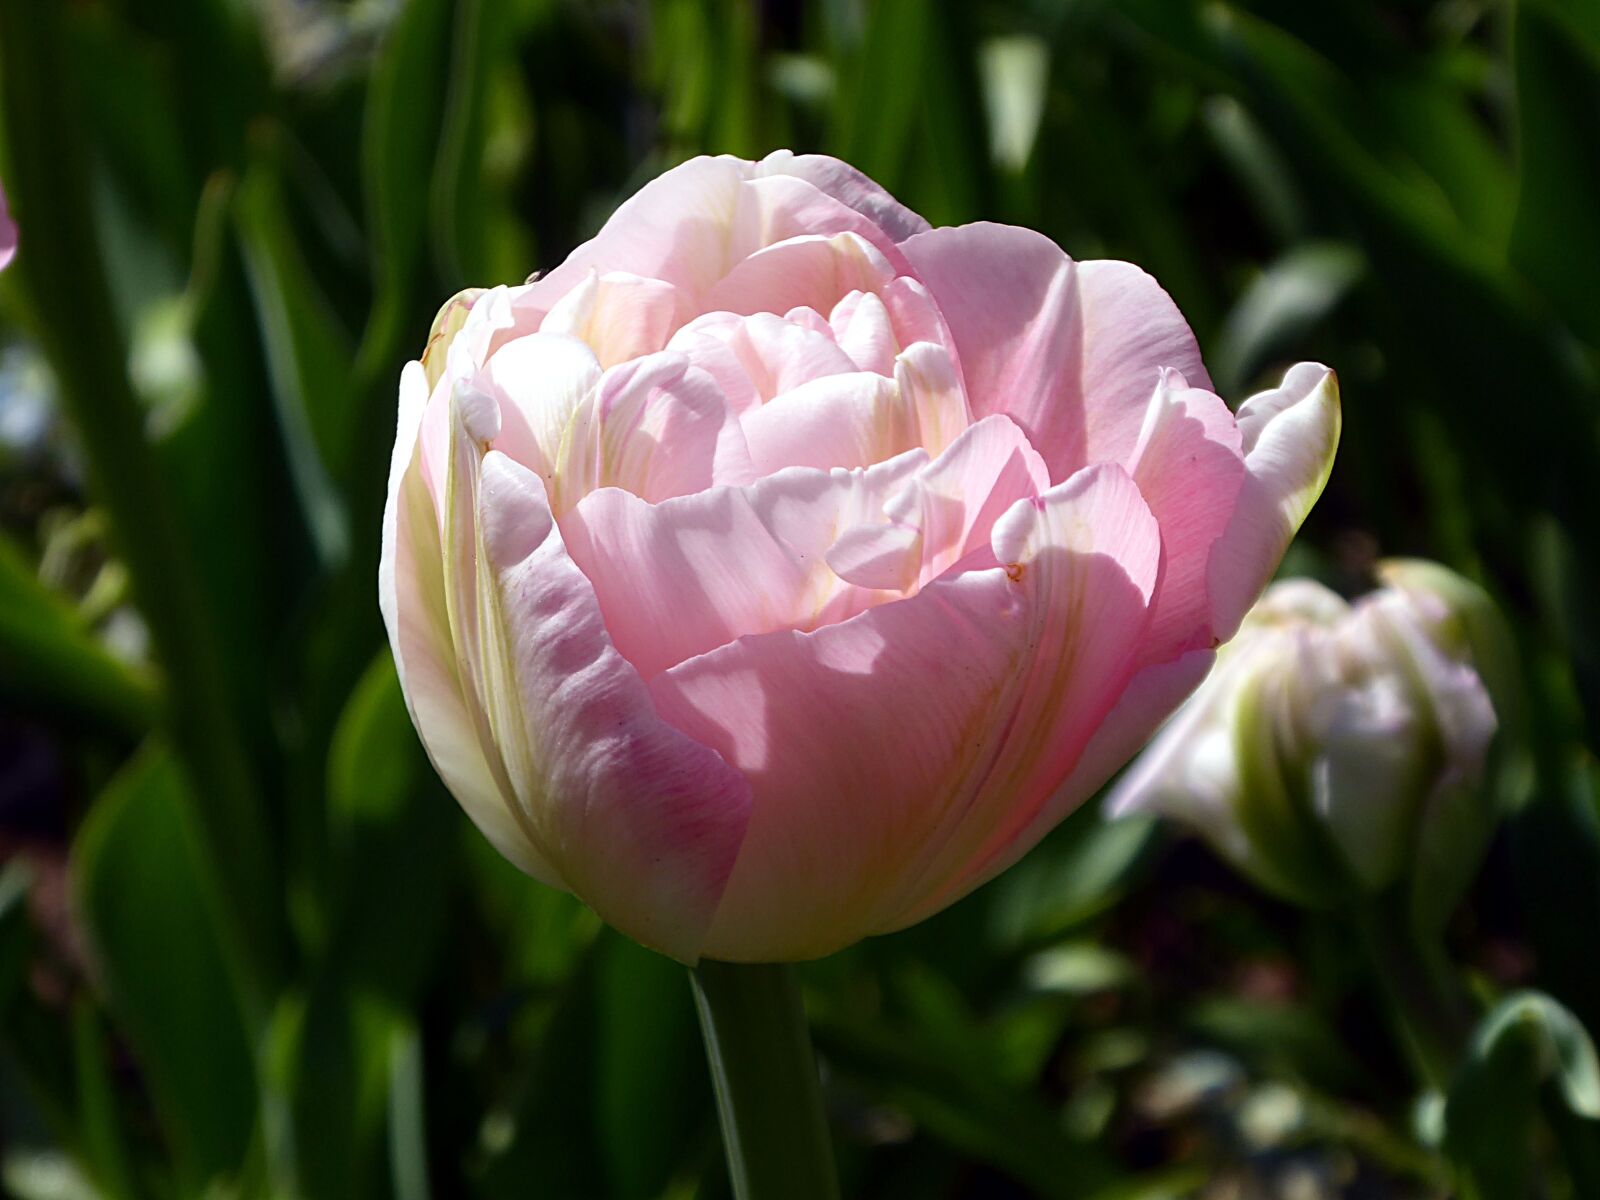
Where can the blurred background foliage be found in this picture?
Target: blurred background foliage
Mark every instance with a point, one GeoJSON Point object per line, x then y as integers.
{"type": "Point", "coordinates": [248, 946]}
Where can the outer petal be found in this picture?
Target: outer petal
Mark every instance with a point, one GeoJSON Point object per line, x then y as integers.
{"type": "Point", "coordinates": [1289, 436]}
{"type": "Point", "coordinates": [411, 596]}
{"type": "Point", "coordinates": [927, 728]}
{"type": "Point", "coordinates": [693, 224]}
{"type": "Point", "coordinates": [1188, 464]}
{"type": "Point", "coordinates": [1068, 350]}
{"type": "Point", "coordinates": [645, 822]}
{"type": "Point", "coordinates": [849, 186]}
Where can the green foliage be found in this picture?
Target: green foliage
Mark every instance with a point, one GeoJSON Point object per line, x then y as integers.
{"type": "Point", "coordinates": [289, 966]}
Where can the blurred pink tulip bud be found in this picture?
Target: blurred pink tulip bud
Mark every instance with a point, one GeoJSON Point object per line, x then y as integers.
{"type": "Point", "coordinates": [1340, 750]}
{"type": "Point", "coordinates": [8, 234]}
{"type": "Point", "coordinates": [777, 569]}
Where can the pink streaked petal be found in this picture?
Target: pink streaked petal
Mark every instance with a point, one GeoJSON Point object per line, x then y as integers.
{"type": "Point", "coordinates": [544, 384]}
{"type": "Point", "coordinates": [1289, 435]}
{"type": "Point", "coordinates": [619, 316]}
{"type": "Point", "coordinates": [860, 323]}
{"type": "Point", "coordinates": [690, 574]}
{"type": "Point", "coordinates": [931, 387]}
{"type": "Point", "coordinates": [850, 420]}
{"type": "Point", "coordinates": [1068, 350]}
{"type": "Point", "coordinates": [849, 186]}
{"type": "Point", "coordinates": [645, 822]}
{"type": "Point", "coordinates": [813, 270]}
{"type": "Point", "coordinates": [412, 600]}
{"type": "Point", "coordinates": [1151, 696]}
{"type": "Point", "coordinates": [691, 225]}
{"type": "Point", "coordinates": [1189, 465]}
{"type": "Point", "coordinates": [838, 729]}
{"type": "Point", "coordinates": [665, 431]}
{"type": "Point", "coordinates": [761, 355]}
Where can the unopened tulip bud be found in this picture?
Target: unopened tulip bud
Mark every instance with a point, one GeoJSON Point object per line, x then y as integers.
{"type": "Point", "coordinates": [1339, 750]}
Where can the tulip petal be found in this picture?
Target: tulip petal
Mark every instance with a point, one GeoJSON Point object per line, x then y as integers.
{"type": "Point", "coordinates": [851, 420]}
{"type": "Point", "coordinates": [645, 821]}
{"type": "Point", "coordinates": [1189, 465]}
{"type": "Point", "coordinates": [840, 729]}
{"type": "Point", "coordinates": [849, 186]}
{"type": "Point", "coordinates": [687, 575]}
{"type": "Point", "coordinates": [757, 357]}
{"type": "Point", "coordinates": [1289, 436]}
{"type": "Point", "coordinates": [692, 573]}
{"type": "Point", "coordinates": [580, 430]}
{"type": "Point", "coordinates": [1068, 350]}
{"type": "Point", "coordinates": [693, 224]}
{"type": "Point", "coordinates": [620, 316]}
{"type": "Point", "coordinates": [411, 597]}
{"type": "Point", "coordinates": [812, 270]}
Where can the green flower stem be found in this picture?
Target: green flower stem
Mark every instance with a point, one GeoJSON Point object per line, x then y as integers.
{"type": "Point", "coordinates": [1430, 1012]}
{"type": "Point", "coordinates": [768, 1098]}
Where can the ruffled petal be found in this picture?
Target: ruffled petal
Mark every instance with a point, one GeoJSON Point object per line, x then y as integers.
{"type": "Point", "coordinates": [411, 597]}
{"type": "Point", "coordinates": [690, 574]}
{"type": "Point", "coordinates": [849, 186]}
{"type": "Point", "coordinates": [757, 357]}
{"type": "Point", "coordinates": [1189, 465]}
{"type": "Point", "coordinates": [838, 729]}
{"type": "Point", "coordinates": [645, 822]}
{"type": "Point", "coordinates": [620, 316]}
{"type": "Point", "coordinates": [813, 270]}
{"type": "Point", "coordinates": [1068, 350]}
{"type": "Point", "coordinates": [1289, 437]}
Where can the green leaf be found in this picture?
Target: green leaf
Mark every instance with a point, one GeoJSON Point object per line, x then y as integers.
{"type": "Point", "coordinates": [148, 922]}
{"type": "Point", "coordinates": [308, 356]}
{"type": "Point", "coordinates": [391, 828]}
{"type": "Point", "coordinates": [1281, 305]}
{"type": "Point", "coordinates": [49, 658]}
{"type": "Point", "coordinates": [1527, 1040]}
{"type": "Point", "coordinates": [1558, 128]}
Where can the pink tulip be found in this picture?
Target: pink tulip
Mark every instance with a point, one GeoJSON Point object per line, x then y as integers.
{"type": "Point", "coordinates": [777, 569]}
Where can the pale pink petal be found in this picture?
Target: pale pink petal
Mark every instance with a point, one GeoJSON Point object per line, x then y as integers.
{"type": "Point", "coordinates": [544, 385]}
{"type": "Point", "coordinates": [813, 270]}
{"type": "Point", "coordinates": [411, 598]}
{"type": "Point", "coordinates": [1289, 436]}
{"type": "Point", "coordinates": [1069, 350]}
{"type": "Point", "coordinates": [619, 316]}
{"type": "Point", "coordinates": [757, 357]}
{"type": "Point", "coordinates": [663, 430]}
{"type": "Point", "coordinates": [1188, 464]}
{"type": "Point", "coordinates": [690, 574]}
{"type": "Point", "coordinates": [838, 729]}
{"type": "Point", "coordinates": [931, 386]}
{"type": "Point", "coordinates": [693, 224]}
{"type": "Point", "coordinates": [883, 556]}
{"type": "Point", "coordinates": [645, 822]}
{"type": "Point", "coordinates": [861, 325]}
{"type": "Point", "coordinates": [579, 429]}
{"type": "Point", "coordinates": [850, 420]}
{"type": "Point", "coordinates": [849, 186]}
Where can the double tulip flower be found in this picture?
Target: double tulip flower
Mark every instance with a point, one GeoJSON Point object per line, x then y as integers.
{"type": "Point", "coordinates": [777, 569]}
